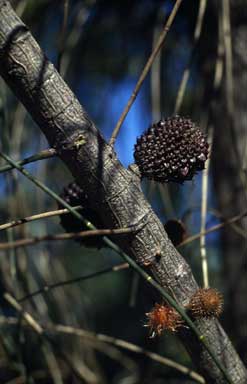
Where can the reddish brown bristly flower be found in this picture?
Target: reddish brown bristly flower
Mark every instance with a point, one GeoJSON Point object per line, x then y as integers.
{"type": "Point", "coordinates": [162, 317]}
{"type": "Point", "coordinates": [206, 302]}
{"type": "Point", "coordinates": [173, 149]}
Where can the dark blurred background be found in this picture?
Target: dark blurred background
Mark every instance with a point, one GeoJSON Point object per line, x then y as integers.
{"type": "Point", "coordinates": [105, 47]}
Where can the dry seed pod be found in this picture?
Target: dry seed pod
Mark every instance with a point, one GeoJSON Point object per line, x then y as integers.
{"type": "Point", "coordinates": [173, 149]}
{"type": "Point", "coordinates": [206, 302]}
{"type": "Point", "coordinates": [74, 195]}
{"type": "Point", "coordinates": [163, 317]}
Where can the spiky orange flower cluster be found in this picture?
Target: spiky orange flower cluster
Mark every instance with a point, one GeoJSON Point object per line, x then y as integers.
{"type": "Point", "coordinates": [162, 317]}
{"type": "Point", "coordinates": [206, 302]}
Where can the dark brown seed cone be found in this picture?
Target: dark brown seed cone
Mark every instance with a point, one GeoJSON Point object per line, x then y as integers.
{"type": "Point", "coordinates": [176, 231]}
{"type": "Point", "coordinates": [173, 149]}
{"type": "Point", "coordinates": [74, 195]}
{"type": "Point", "coordinates": [206, 302]}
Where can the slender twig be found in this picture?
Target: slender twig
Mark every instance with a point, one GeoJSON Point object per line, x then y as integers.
{"type": "Point", "coordinates": [45, 154]}
{"type": "Point", "coordinates": [37, 375]}
{"type": "Point", "coordinates": [52, 363]}
{"type": "Point", "coordinates": [74, 34]}
{"type": "Point", "coordinates": [186, 74]}
{"type": "Point", "coordinates": [132, 263]}
{"type": "Point", "coordinates": [40, 331]}
{"type": "Point", "coordinates": [167, 297]}
{"type": "Point", "coordinates": [228, 55]}
{"type": "Point", "coordinates": [63, 34]}
{"type": "Point", "coordinates": [230, 85]}
{"type": "Point", "coordinates": [45, 336]}
{"type": "Point", "coordinates": [203, 251]}
{"type": "Point", "coordinates": [39, 118]}
{"type": "Point", "coordinates": [219, 64]}
{"type": "Point", "coordinates": [47, 190]}
{"type": "Point", "coordinates": [99, 337]}
{"type": "Point", "coordinates": [65, 236]}
{"type": "Point", "coordinates": [155, 77]}
{"type": "Point", "coordinates": [43, 215]}
{"type": "Point", "coordinates": [213, 229]}
{"type": "Point", "coordinates": [71, 209]}
{"type": "Point", "coordinates": [48, 287]}
{"type": "Point", "coordinates": [28, 318]}
{"type": "Point", "coordinates": [102, 232]}
{"type": "Point", "coordinates": [183, 314]}
{"type": "Point", "coordinates": [237, 228]}
{"type": "Point", "coordinates": [120, 343]}
{"type": "Point", "coordinates": [145, 71]}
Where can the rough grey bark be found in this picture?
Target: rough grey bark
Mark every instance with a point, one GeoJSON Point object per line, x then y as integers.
{"type": "Point", "coordinates": [231, 190]}
{"type": "Point", "coordinates": [113, 189]}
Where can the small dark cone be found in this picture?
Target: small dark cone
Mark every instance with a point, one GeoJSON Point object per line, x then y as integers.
{"type": "Point", "coordinates": [173, 149]}
{"type": "Point", "coordinates": [74, 195]}
{"type": "Point", "coordinates": [176, 231]}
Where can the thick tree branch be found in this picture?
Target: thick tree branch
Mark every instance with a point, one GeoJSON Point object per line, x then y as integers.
{"type": "Point", "coordinates": [114, 190]}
